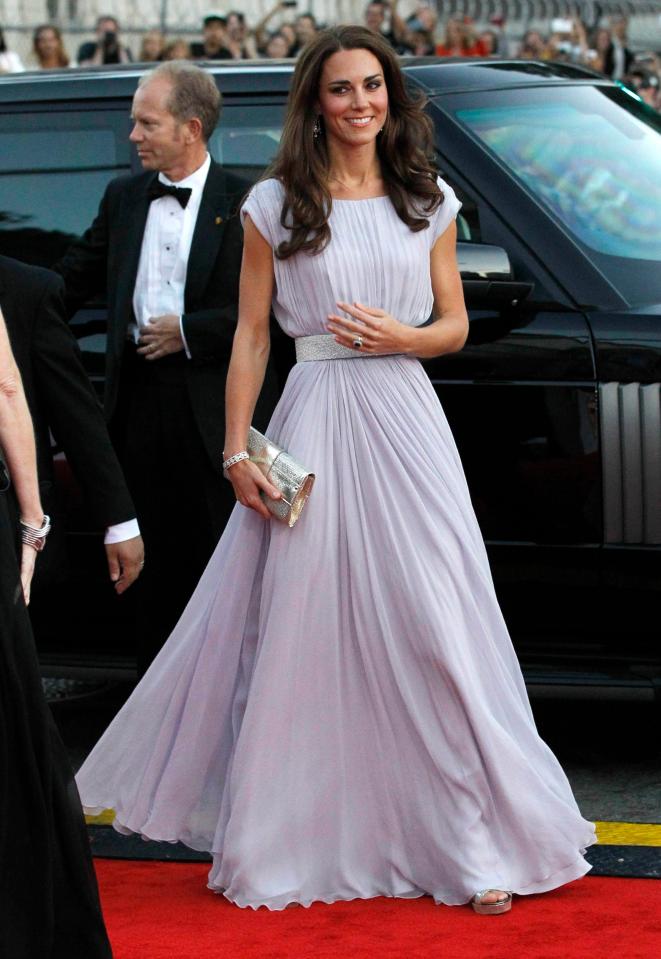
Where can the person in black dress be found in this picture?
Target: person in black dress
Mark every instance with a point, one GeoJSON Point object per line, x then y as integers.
{"type": "Point", "coordinates": [49, 903]}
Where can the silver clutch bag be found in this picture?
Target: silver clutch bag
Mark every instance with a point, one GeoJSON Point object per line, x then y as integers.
{"type": "Point", "coordinates": [293, 480]}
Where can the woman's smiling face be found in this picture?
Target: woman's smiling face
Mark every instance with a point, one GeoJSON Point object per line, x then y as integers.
{"type": "Point", "coordinates": [353, 97]}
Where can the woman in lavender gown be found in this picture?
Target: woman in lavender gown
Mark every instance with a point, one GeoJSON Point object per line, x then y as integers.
{"type": "Point", "coordinates": [339, 713]}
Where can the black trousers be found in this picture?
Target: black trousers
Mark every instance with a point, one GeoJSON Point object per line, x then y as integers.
{"type": "Point", "coordinates": [183, 502]}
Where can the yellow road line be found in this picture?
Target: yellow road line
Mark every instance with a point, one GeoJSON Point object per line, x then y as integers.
{"type": "Point", "coordinates": [103, 819]}
{"type": "Point", "coordinates": [628, 833]}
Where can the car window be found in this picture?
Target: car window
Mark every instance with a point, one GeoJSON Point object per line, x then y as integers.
{"type": "Point", "coordinates": [247, 138]}
{"type": "Point", "coordinates": [53, 170]}
{"type": "Point", "coordinates": [593, 158]}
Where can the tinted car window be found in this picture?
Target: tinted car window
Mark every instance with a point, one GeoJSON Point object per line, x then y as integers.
{"type": "Point", "coordinates": [594, 160]}
{"type": "Point", "coordinates": [247, 138]}
{"type": "Point", "coordinates": [53, 170]}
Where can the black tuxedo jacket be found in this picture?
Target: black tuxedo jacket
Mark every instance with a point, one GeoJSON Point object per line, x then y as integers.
{"type": "Point", "coordinates": [107, 258]}
{"type": "Point", "coordinates": [609, 60]}
{"type": "Point", "coordinates": [59, 393]}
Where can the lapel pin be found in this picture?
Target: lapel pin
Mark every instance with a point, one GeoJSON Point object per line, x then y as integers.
{"type": "Point", "coordinates": [219, 220]}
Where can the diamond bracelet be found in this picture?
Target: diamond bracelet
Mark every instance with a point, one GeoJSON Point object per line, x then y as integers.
{"type": "Point", "coordinates": [243, 455]}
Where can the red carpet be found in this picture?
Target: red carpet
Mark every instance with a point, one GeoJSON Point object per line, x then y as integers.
{"type": "Point", "coordinates": [164, 911]}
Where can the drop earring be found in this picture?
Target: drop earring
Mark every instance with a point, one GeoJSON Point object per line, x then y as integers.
{"type": "Point", "coordinates": [316, 131]}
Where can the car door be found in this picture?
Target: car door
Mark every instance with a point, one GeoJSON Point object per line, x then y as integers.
{"type": "Point", "coordinates": [521, 398]}
{"type": "Point", "coordinates": [628, 352]}
{"type": "Point", "coordinates": [545, 168]}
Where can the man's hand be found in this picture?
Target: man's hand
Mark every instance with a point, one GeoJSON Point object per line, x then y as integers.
{"type": "Point", "coordinates": [162, 336]}
{"type": "Point", "coordinates": [125, 562]}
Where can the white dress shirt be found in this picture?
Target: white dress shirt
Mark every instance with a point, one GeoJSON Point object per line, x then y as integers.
{"type": "Point", "coordinates": [121, 531]}
{"type": "Point", "coordinates": [161, 279]}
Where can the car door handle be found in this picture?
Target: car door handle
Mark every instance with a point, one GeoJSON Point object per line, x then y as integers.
{"type": "Point", "coordinates": [495, 293]}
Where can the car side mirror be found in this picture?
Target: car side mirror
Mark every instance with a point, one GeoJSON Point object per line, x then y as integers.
{"type": "Point", "coordinates": [486, 274]}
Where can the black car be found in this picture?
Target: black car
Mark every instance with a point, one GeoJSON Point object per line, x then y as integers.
{"type": "Point", "coordinates": [555, 401]}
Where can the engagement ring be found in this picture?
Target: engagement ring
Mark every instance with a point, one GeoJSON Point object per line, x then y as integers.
{"type": "Point", "coordinates": [358, 342]}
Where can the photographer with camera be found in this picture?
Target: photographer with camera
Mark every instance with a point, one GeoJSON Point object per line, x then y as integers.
{"type": "Point", "coordinates": [215, 39]}
{"type": "Point", "coordinates": [107, 48]}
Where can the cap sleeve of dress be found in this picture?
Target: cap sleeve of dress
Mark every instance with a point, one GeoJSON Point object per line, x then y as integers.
{"type": "Point", "coordinates": [446, 213]}
{"type": "Point", "coordinates": [264, 205]}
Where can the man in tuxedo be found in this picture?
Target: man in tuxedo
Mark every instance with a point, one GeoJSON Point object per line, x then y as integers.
{"type": "Point", "coordinates": [618, 57]}
{"type": "Point", "coordinates": [166, 245]}
{"type": "Point", "coordinates": [62, 399]}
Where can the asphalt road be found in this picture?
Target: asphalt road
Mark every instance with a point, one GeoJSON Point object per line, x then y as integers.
{"type": "Point", "coordinates": [611, 752]}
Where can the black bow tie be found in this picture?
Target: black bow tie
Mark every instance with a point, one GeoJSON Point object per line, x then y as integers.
{"type": "Point", "coordinates": [180, 193]}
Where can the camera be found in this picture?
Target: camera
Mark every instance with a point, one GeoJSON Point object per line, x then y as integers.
{"type": "Point", "coordinates": [110, 47]}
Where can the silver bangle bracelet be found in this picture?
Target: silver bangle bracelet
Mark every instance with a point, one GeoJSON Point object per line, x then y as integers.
{"type": "Point", "coordinates": [243, 455]}
{"type": "Point", "coordinates": [35, 536]}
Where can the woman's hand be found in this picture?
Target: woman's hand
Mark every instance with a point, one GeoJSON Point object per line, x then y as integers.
{"type": "Point", "coordinates": [379, 332]}
{"type": "Point", "coordinates": [28, 559]}
{"type": "Point", "coordinates": [247, 480]}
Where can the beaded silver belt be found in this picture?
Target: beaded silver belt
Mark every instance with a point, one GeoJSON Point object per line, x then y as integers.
{"type": "Point", "coordinates": [325, 347]}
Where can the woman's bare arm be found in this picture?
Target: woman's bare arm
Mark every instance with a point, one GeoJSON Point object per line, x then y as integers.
{"type": "Point", "coordinates": [250, 352]}
{"type": "Point", "coordinates": [448, 332]}
{"type": "Point", "coordinates": [17, 435]}
{"type": "Point", "coordinates": [17, 441]}
{"type": "Point", "coordinates": [259, 32]}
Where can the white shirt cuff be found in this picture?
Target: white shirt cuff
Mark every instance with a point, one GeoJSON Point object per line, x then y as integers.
{"type": "Point", "coordinates": [183, 337]}
{"type": "Point", "coordinates": [121, 531]}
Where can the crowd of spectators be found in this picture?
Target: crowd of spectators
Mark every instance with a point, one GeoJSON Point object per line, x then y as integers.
{"type": "Point", "coordinates": [227, 36]}
{"type": "Point", "coordinates": [605, 50]}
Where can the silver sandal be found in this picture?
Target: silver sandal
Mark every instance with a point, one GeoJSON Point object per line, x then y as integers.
{"type": "Point", "coordinates": [491, 908]}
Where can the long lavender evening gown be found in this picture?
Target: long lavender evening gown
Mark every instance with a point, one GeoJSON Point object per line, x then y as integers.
{"type": "Point", "coordinates": [339, 712]}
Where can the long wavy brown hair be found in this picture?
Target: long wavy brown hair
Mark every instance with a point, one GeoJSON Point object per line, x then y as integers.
{"type": "Point", "coordinates": [62, 56]}
{"type": "Point", "coordinates": [404, 147]}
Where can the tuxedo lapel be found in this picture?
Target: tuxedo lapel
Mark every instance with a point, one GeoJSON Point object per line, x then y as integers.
{"type": "Point", "coordinates": [215, 207]}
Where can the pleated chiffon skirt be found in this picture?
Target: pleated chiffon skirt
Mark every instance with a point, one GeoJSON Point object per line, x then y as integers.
{"type": "Point", "coordinates": [340, 713]}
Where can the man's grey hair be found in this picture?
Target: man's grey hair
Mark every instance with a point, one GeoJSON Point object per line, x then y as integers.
{"type": "Point", "coordinates": [194, 93]}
